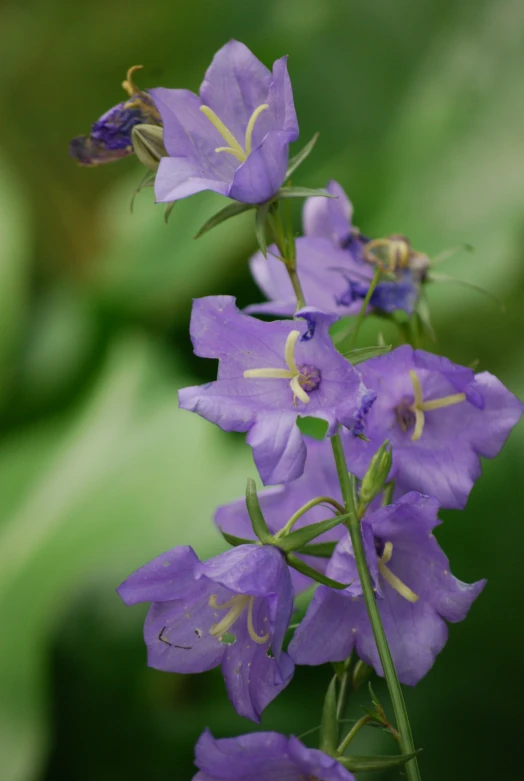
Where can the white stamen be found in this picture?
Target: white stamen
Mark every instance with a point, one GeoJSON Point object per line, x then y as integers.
{"type": "Point", "coordinates": [392, 579]}
{"type": "Point", "coordinates": [292, 373]}
{"type": "Point", "coordinates": [234, 147]}
{"type": "Point", "coordinates": [419, 406]}
{"type": "Point", "coordinates": [251, 126]}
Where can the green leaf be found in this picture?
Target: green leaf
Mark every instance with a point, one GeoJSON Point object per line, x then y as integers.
{"type": "Point", "coordinates": [229, 211]}
{"type": "Point", "coordinates": [260, 226]}
{"type": "Point", "coordinates": [365, 353]}
{"type": "Point", "coordinates": [301, 537]}
{"type": "Point", "coordinates": [328, 738]}
{"type": "Point", "coordinates": [302, 192]}
{"type": "Point", "coordinates": [235, 541]}
{"type": "Point", "coordinates": [363, 764]}
{"type": "Point", "coordinates": [323, 550]}
{"type": "Point", "coordinates": [305, 569]}
{"type": "Point", "coordinates": [258, 521]}
{"type": "Point", "coordinates": [301, 156]}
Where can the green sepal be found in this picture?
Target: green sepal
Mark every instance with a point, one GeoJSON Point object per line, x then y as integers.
{"type": "Point", "coordinates": [328, 738]}
{"type": "Point", "coordinates": [301, 192]}
{"type": "Point", "coordinates": [147, 181]}
{"type": "Point", "coordinates": [231, 210]}
{"type": "Point", "coordinates": [301, 156]}
{"type": "Point", "coordinates": [235, 541]}
{"type": "Point", "coordinates": [301, 537]}
{"type": "Point", "coordinates": [424, 315]}
{"type": "Point", "coordinates": [377, 474]}
{"type": "Point", "coordinates": [365, 353]}
{"type": "Point", "coordinates": [312, 573]}
{"type": "Point", "coordinates": [361, 673]}
{"type": "Point", "coordinates": [364, 764]}
{"type": "Point", "coordinates": [258, 522]}
{"type": "Point", "coordinates": [324, 550]}
{"type": "Point", "coordinates": [148, 145]}
{"type": "Point", "coordinates": [168, 210]}
{"type": "Point", "coordinates": [260, 226]}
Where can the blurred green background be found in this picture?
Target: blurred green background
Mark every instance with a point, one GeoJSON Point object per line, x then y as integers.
{"type": "Point", "coordinates": [421, 113]}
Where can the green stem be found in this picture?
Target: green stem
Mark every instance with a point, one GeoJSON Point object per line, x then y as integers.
{"type": "Point", "coordinates": [303, 510]}
{"type": "Point", "coordinates": [390, 674]}
{"type": "Point", "coordinates": [343, 692]}
{"type": "Point", "coordinates": [362, 313]}
{"type": "Point", "coordinates": [352, 732]}
{"type": "Point", "coordinates": [286, 247]}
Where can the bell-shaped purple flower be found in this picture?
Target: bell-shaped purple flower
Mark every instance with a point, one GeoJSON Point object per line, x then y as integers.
{"type": "Point", "coordinates": [279, 503]}
{"type": "Point", "coordinates": [229, 610]}
{"type": "Point", "coordinates": [440, 418]}
{"type": "Point", "coordinates": [268, 375]}
{"type": "Point", "coordinates": [234, 138]}
{"type": "Point", "coordinates": [264, 756]}
{"type": "Point", "coordinates": [416, 592]}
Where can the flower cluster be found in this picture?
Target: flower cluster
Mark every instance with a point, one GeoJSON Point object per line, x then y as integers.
{"type": "Point", "coordinates": [409, 428]}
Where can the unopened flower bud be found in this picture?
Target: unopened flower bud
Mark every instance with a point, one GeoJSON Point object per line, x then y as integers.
{"type": "Point", "coordinates": [377, 474]}
{"type": "Point", "coordinates": [148, 144]}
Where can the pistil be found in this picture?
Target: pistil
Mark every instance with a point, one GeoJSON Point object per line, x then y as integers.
{"type": "Point", "coordinates": [419, 406]}
{"type": "Point", "coordinates": [234, 147]}
{"type": "Point", "coordinates": [392, 579]}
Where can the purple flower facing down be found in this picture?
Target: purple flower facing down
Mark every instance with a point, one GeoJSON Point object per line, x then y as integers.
{"type": "Point", "coordinates": [279, 503]}
{"type": "Point", "coordinates": [439, 416]}
{"type": "Point", "coordinates": [229, 610]}
{"type": "Point", "coordinates": [268, 375]}
{"type": "Point", "coordinates": [415, 588]}
{"type": "Point", "coordinates": [234, 138]}
{"type": "Point", "coordinates": [110, 137]}
{"type": "Point", "coordinates": [264, 756]}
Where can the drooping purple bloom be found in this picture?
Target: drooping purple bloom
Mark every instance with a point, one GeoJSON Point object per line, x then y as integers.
{"type": "Point", "coordinates": [416, 592]}
{"type": "Point", "coordinates": [229, 610]}
{"type": "Point", "coordinates": [268, 375]}
{"type": "Point", "coordinates": [279, 503]}
{"type": "Point", "coordinates": [110, 137]}
{"type": "Point", "coordinates": [263, 756]}
{"type": "Point", "coordinates": [234, 138]}
{"type": "Point", "coordinates": [440, 418]}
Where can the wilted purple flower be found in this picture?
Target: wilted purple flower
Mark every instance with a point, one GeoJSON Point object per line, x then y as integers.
{"type": "Point", "coordinates": [234, 138]}
{"type": "Point", "coordinates": [264, 756]}
{"type": "Point", "coordinates": [110, 137]}
{"type": "Point", "coordinates": [229, 610]}
{"type": "Point", "coordinates": [268, 375]}
{"type": "Point", "coordinates": [439, 417]}
{"type": "Point", "coordinates": [279, 503]}
{"type": "Point", "coordinates": [415, 588]}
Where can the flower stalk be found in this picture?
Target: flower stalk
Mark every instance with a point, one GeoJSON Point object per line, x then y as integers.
{"type": "Point", "coordinates": [390, 674]}
{"type": "Point", "coordinates": [285, 242]}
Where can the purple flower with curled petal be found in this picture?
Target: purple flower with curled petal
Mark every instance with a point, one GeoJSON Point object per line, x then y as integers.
{"type": "Point", "coordinates": [234, 138]}
{"type": "Point", "coordinates": [440, 418]}
{"type": "Point", "coordinates": [268, 375]}
{"type": "Point", "coordinates": [415, 588]}
{"type": "Point", "coordinates": [264, 756]}
{"type": "Point", "coordinates": [229, 610]}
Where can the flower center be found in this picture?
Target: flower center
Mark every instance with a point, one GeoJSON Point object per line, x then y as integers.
{"type": "Point", "coordinates": [411, 415]}
{"type": "Point", "coordinates": [386, 550]}
{"type": "Point", "coordinates": [301, 378]}
{"type": "Point", "coordinates": [234, 147]}
{"type": "Point", "coordinates": [235, 607]}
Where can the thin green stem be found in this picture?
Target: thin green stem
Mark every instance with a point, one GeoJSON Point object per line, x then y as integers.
{"type": "Point", "coordinates": [352, 732]}
{"type": "Point", "coordinates": [343, 692]}
{"type": "Point", "coordinates": [390, 674]}
{"type": "Point", "coordinates": [304, 509]}
{"type": "Point", "coordinates": [362, 313]}
{"type": "Point", "coordinates": [286, 247]}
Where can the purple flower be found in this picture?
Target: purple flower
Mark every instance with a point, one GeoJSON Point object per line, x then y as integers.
{"type": "Point", "coordinates": [229, 610]}
{"type": "Point", "coordinates": [268, 375]}
{"type": "Point", "coordinates": [110, 137]}
{"type": "Point", "coordinates": [415, 588]}
{"type": "Point", "coordinates": [439, 416]}
{"type": "Point", "coordinates": [279, 503]}
{"type": "Point", "coordinates": [263, 756]}
{"type": "Point", "coordinates": [234, 138]}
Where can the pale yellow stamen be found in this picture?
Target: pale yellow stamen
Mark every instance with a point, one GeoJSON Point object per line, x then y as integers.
{"type": "Point", "coordinates": [226, 134]}
{"type": "Point", "coordinates": [292, 373]}
{"type": "Point", "coordinates": [392, 579]}
{"type": "Point", "coordinates": [419, 406]}
{"type": "Point", "coordinates": [251, 126]}
{"type": "Point", "coordinates": [234, 147]}
{"type": "Point", "coordinates": [236, 606]}
{"type": "Point", "coordinates": [251, 629]}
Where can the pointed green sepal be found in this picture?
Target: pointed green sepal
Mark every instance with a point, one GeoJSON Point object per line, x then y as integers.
{"type": "Point", "coordinates": [258, 522]}
{"type": "Point", "coordinates": [301, 156]}
{"type": "Point", "coordinates": [361, 673]}
{"type": "Point", "coordinates": [328, 739]}
{"type": "Point", "coordinates": [365, 353]}
{"type": "Point", "coordinates": [224, 214]}
{"type": "Point", "coordinates": [377, 474]}
{"type": "Point", "coordinates": [301, 537]}
{"type": "Point", "coordinates": [235, 541]}
{"type": "Point", "coordinates": [260, 226]}
{"type": "Point", "coordinates": [168, 210]}
{"type": "Point", "coordinates": [147, 181]}
{"type": "Point", "coordinates": [148, 144]}
{"type": "Point", "coordinates": [302, 192]}
{"type": "Point", "coordinates": [365, 764]}
{"type": "Point", "coordinates": [312, 573]}
{"type": "Point", "coordinates": [323, 550]}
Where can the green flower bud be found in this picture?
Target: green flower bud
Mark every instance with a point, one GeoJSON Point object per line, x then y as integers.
{"type": "Point", "coordinates": [148, 143]}
{"type": "Point", "coordinates": [377, 474]}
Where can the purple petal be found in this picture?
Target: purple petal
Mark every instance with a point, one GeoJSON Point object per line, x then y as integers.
{"type": "Point", "coordinates": [317, 764]}
{"type": "Point", "coordinates": [248, 569]}
{"type": "Point", "coordinates": [329, 218]}
{"type": "Point", "coordinates": [234, 758]}
{"type": "Point", "coordinates": [281, 105]}
{"type": "Point", "coordinates": [278, 447]}
{"type": "Point", "coordinates": [178, 178]}
{"type": "Point", "coordinates": [167, 577]}
{"type": "Point", "coordinates": [259, 178]}
{"type": "Point", "coordinates": [326, 633]}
